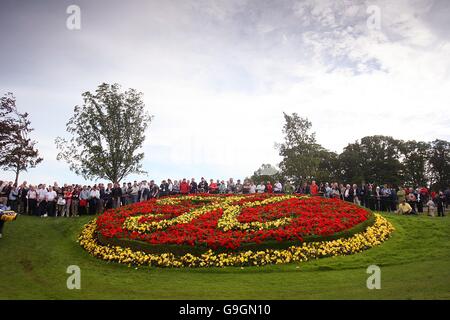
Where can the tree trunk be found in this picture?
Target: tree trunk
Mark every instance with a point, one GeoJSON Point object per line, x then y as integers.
{"type": "Point", "coordinates": [17, 176]}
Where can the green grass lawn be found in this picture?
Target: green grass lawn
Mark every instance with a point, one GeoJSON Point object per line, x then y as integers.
{"type": "Point", "coordinates": [35, 253]}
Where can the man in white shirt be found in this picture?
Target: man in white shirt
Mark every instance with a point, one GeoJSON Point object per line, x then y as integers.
{"type": "Point", "coordinates": [134, 193]}
{"type": "Point", "coordinates": [50, 198]}
{"type": "Point", "coordinates": [278, 187]}
{"type": "Point", "coordinates": [260, 188]}
{"type": "Point", "coordinates": [42, 203]}
{"type": "Point", "coordinates": [94, 198]}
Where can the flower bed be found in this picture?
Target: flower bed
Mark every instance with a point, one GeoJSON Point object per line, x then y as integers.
{"type": "Point", "coordinates": [206, 230]}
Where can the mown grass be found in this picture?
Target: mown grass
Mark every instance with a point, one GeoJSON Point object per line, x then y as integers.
{"type": "Point", "coordinates": [35, 253]}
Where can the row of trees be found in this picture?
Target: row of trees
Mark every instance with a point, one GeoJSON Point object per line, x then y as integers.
{"type": "Point", "coordinates": [374, 159]}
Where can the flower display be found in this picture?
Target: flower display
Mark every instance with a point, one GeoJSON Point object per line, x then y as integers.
{"type": "Point", "coordinates": [208, 230]}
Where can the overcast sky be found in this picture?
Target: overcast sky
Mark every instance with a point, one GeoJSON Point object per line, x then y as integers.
{"type": "Point", "coordinates": [218, 75]}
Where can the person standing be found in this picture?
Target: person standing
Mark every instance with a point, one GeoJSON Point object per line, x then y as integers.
{"type": "Point", "coordinates": [164, 189]}
{"type": "Point", "coordinates": [252, 188]}
{"type": "Point", "coordinates": [288, 188]}
{"type": "Point", "coordinates": [23, 201]}
{"type": "Point", "coordinates": [377, 198]}
{"type": "Point", "coordinates": [261, 188]}
{"type": "Point", "coordinates": [278, 187]}
{"type": "Point", "coordinates": [42, 204]}
{"type": "Point", "coordinates": [107, 198]}
{"type": "Point", "coordinates": [124, 198]}
{"type": "Point", "coordinates": [170, 186]}
{"type": "Point", "coordinates": [440, 202]}
{"type": "Point", "coordinates": [348, 194]}
{"type": "Point", "coordinates": [213, 187]}
{"type": "Point", "coordinates": [60, 205]}
{"type": "Point", "coordinates": [269, 187]}
{"type": "Point", "coordinates": [176, 187]}
{"type": "Point", "coordinates": [76, 201]}
{"type": "Point", "coordinates": [51, 204]}
{"type": "Point", "coordinates": [116, 195]}
{"type": "Point", "coordinates": [193, 187]}
{"type": "Point", "coordinates": [12, 198]}
{"type": "Point", "coordinates": [32, 201]}
{"type": "Point", "coordinates": [145, 191]}
{"type": "Point", "coordinates": [356, 192]}
{"type": "Point", "coordinates": [385, 198]}
{"type": "Point", "coordinates": [314, 189]}
{"type": "Point", "coordinates": [222, 187]}
{"type": "Point", "coordinates": [154, 190]}
{"type": "Point", "coordinates": [184, 187]}
{"type": "Point", "coordinates": [230, 186]}
{"type": "Point", "coordinates": [84, 199]}
{"type": "Point", "coordinates": [134, 192]}
{"type": "Point", "coordinates": [203, 186]}
{"type": "Point", "coordinates": [68, 199]}
{"type": "Point", "coordinates": [3, 192]}
{"type": "Point", "coordinates": [401, 194]}
{"type": "Point", "coordinates": [431, 208]}
{"type": "Point", "coordinates": [238, 188]}
{"type": "Point", "coordinates": [94, 198]}
{"type": "Point", "coordinates": [447, 197]}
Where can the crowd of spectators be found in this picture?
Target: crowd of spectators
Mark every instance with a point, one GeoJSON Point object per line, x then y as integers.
{"type": "Point", "coordinates": [75, 200]}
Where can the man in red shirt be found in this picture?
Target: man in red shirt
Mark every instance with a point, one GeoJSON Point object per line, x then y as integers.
{"type": "Point", "coordinates": [184, 187]}
{"type": "Point", "coordinates": [212, 187]}
{"type": "Point", "coordinates": [269, 187]}
{"type": "Point", "coordinates": [314, 188]}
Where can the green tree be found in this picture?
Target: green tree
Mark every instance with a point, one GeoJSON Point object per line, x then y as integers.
{"type": "Point", "coordinates": [439, 164]}
{"type": "Point", "coordinates": [18, 151]}
{"type": "Point", "coordinates": [106, 133]}
{"type": "Point", "coordinates": [414, 162]}
{"type": "Point", "coordinates": [351, 164]}
{"type": "Point", "coordinates": [302, 155]}
{"type": "Point", "coordinates": [374, 159]}
{"type": "Point", "coordinates": [265, 173]}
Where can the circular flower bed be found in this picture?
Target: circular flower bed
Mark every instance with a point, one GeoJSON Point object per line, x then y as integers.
{"type": "Point", "coordinates": [207, 230]}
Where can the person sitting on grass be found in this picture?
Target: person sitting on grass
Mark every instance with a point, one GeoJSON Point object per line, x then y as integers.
{"type": "Point", "coordinates": [404, 208]}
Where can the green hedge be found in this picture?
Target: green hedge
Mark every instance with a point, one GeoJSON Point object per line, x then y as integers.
{"type": "Point", "coordinates": [137, 245]}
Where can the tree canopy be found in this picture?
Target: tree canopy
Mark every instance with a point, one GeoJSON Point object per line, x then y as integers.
{"type": "Point", "coordinates": [107, 132]}
{"type": "Point", "coordinates": [17, 151]}
{"type": "Point", "coordinates": [303, 157]}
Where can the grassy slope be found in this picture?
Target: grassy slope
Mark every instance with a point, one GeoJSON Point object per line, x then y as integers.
{"type": "Point", "coordinates": [415, 264]}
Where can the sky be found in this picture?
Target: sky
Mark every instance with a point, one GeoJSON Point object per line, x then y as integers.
{"type": "Point", "coordinates": [218, 75]}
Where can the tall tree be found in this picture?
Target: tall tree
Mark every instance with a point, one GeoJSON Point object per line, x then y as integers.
{"type": "Point", "coordinates": [439, 164]}
{"type": "Point", "coordinates": [18, 151]}
{"type": "Point", "coordinates": [374, 159]}
{"type": "Point", "coordinates": [107, 132]}
{"type": "Point", "coordinates": [302, 155]}
{"type": "Point", "coordinates": [414, 162]}
{"type": "Point", "coordinates": [351, 164]}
